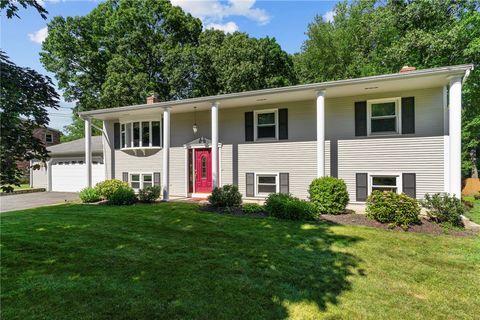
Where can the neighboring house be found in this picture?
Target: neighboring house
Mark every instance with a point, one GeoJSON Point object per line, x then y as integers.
{"type": "Point", "coordinates": [399, 132]}
{"type": "Point", "coordinates": [65, 171]}
{"type": "Point", "coordinates": [48, 136]}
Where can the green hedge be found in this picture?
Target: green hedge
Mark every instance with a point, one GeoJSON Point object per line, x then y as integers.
{"type": "Point", "coordinates": [329, 195]}
{"type": "Point", "coordinates": [394, 208]}
{"type": "Point", "coordinates": [284, 206]}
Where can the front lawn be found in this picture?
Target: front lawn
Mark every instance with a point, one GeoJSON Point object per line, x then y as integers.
{"type": "Point", "coordinates": [171, 261]}
{"type": "Point", "coordinates": [24, 186]}
{"type": "Point", "coordinates": [474, 213]}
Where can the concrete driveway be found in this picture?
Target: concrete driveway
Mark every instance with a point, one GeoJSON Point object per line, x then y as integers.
{"type": "Point", "coordinates": [33, 200]}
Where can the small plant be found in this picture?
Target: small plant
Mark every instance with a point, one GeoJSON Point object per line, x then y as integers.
{"type": "Point", "coordinates": [477, 196]}
{"type": "Point", "coordinates": [284, 206]}
{"type": "Point", "coordinates": [149, 194]}
{"type": "Point", "coordinates": [252, 208]}
{"type": "Point", "coordinates": [329, 195]}
{"type": "Point", "coordinates": [88, 195]}
{"type": "Point", "coordinates": [226, 196]}
{"type": "Point", "coordinates": [443, 208]}
{"type": "Point", "coordinates": [123, 195]}
{"type": "Point", "coordinates": [393, 208]}
{"type": "Point", "coordinates": [107, 187]}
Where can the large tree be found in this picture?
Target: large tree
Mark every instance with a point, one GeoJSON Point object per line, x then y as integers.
{"type": "Point", "coordinates": [369, 37]}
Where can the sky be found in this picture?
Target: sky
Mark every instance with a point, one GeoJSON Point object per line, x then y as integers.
{"type": "Point", "coordinates": [286, 21]}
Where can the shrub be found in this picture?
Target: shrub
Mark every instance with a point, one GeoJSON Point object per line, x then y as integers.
{"type": "Point", "coordinates": [394, 208]}
{"type": "Point", "coordinates": [443, 208]}
{"type": "Point", "coordinates": [149, 194]}
{"type": "Point", "coordinates": [88, 195]}
{"type": "Point", "coordinates": [226, 196]}
{"type": "Point", "coordinates": [123, 195]}
{"type": "Point", "coordinates": [329, 195]}
{"type": "Point", "coordinates": [284, 206]}
{"type": "Point", "coordinates": [252, 208]}
{"type": "Point", "coordinates": [477, 196]}
{"type": "Point", "coordinates": [107, 187]}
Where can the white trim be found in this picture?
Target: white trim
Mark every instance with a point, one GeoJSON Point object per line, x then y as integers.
{"type": "Point", "coordinates": [398, 124]}
{"type": "Point", "coordinates": [320, 117]}
{"type": "Point", "coordinates": [255, 184]}
{"type": "Point", "coordinates": [455, 134]}
{"type": "Point", "coordinates": [141, 174]}
{"type": "Point", "coordinates": [214, 152]}
{"type": "Point", "coordinates": [186, 172]}
{"type": "Point", "coordinates": [255, 124]}
{"type": "Point", "coordinates": [446, 164]}
{"type": "Point", "coordinates": [166, 155]}
{"type": "Point", "coordinates": [398, 176]}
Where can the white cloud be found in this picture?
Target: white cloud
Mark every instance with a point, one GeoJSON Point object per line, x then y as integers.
{"type": "Point", "coordinates": [229, 27]}
{"type": "Point", "coordinates": [329, 15]}
{"type": "Point", "coordinates": [213, 11]}
{"type": "Point", "coordinates": [39, 36]}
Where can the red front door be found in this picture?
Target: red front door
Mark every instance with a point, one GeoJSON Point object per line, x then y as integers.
{"type": "Point", "coordinates": [203, 170]}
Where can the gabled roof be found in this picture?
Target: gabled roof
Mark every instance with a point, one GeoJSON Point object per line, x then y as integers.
{"type": "Point", "coordinates": [76, 147]}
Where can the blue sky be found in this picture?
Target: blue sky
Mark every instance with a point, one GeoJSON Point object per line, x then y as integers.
{"type": "Point", "coordinates": [287, 21]}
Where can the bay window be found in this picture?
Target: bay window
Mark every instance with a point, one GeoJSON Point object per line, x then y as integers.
{"type": "Point", "coordinates": [140, 134]}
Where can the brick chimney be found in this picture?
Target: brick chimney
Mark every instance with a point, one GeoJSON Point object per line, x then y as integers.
{"type": "Point", "coordinates": [152, 99]}
{"type": "Point", "coordinates": [407, 69]}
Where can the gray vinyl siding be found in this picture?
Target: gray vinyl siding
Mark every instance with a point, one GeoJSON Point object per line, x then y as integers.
{"type": "Point", "coordinates": [420, 155]}
{"type": "Point", "coordinates": [127, 161]}
{"type": "Point", "coordinates": [178, 182]}
{"type": "Point", "coordinates": [227, 165]}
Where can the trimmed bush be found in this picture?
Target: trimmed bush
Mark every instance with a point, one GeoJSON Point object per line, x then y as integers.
{"type": "Point", "coordinates": [149, 194]}
{"type": "Point", "coordinates": [329, 195]}
{"type": "Point", "coordinates": [123, 195]}
{"type": "Point", "coordinates": [443, 208]}
{"type": "Point", "coordinates": [391, 207]}
{"type": "Point", "coordinates": [226, 196]}
{"type": "Point", "coordinates": [107, 187]}
{"type": "Point", "coordinates": [284, 206]}
{"type": "Point", "coordinates": [252, 208]}
{"type": "Point", "coordinates": [88, 195]}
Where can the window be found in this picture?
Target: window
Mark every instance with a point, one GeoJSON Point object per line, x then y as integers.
{"type": "Point", "coordinates": [141, 181]}
{"type": "Point", "coordinates": [204, 167]}
{"type": "Point", "coordinates": [384, 183]}
{"type": "Point", "coordinates": [140, 134]}
{"type": "Point", "coordinates": [266, 184]}
{"type": "Point", "coordinates": [383, 116]}
{"type": "Point", "coordinates": [266, 124]}
{"type": "Point", "coordinates": [48, 138]}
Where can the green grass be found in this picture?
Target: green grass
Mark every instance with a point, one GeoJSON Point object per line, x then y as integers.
{"type": "Point", "coordinates": [22, 187]}
{"type": "Point", "coordinates": [171, 261]}
{"type": "Point", "coordinates": [474, 213]}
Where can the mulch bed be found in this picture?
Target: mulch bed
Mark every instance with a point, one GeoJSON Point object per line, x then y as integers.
{"type": "Point", "coordinates": [425, 226]}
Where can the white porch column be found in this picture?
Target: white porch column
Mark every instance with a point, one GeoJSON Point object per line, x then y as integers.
{"type": "Point", "coordinates": [88, 150]}
{"type": "Point", "coordinates": [215, 145]}
{"type": "Point", "coordinates": [321, 133]}
{"type": "Point", "coordinates": [455, 135]}
{"type": "Point", "coordinates": [49, 175]}
{"type": "Point", "coordinates": [166, 154]}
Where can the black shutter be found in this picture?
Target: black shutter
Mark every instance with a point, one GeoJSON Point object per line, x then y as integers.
{"type": "Point", "coordinates": [250, 183]}
{"type": "Point", "coordinates": [249, 126]}
{"type": "Point", "coordinates": [116, 136]}
{"type": "Point", "coordinates": [361, 186]}
{"type": "Point", "coordinates": [408, 115]}
{"type": "Point", "coordinates": [284, 182]}
{"type": "Point", "coordinates": [125, 176]}
{"type": "Point", "coordinates": [361, 118]}
{"type": "Point", "coordinates": [283, 124]}
{"type": "Point", "coordinates": [156, 178]}
{"type": "Point", "coordinates": [409, 184]}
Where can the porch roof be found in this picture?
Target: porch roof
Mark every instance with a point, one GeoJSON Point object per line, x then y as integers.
{"type": "Point", "coordinates": [419, 79]}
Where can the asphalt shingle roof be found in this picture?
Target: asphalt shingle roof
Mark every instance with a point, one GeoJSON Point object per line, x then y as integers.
{"type": "Point", "coordinates": [76, 147]}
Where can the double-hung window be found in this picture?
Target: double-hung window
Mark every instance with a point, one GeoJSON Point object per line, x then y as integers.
{"type": "Point", "coordinates": [266, 124]}
{"type": "Point", "coordinates": [266, 184]}
{"type": "Point", "coordinates": [141, 134]}
{"type": "Point", "coordinates": [384, 116]}
{"type": "Point", "coordinates": [48, 138]}
{"type": "Point", "coordinates": [384, 183]}
{"type": "Point", "coordinates": [141, 180]}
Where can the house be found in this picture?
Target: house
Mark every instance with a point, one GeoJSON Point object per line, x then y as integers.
{"type": "Point", "coordinates": [66, 168]}
{"type": "Point", "coordinates": [399, 132]}
{"type": "Point", "coordinates": [48, 136]}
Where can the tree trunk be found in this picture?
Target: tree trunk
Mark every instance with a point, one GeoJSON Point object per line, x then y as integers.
{"type": "Point", "coordinates": [473, 158]}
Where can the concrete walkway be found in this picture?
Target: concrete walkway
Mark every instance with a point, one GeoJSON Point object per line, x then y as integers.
{"type": "Point", "coordinates": [33, 200]}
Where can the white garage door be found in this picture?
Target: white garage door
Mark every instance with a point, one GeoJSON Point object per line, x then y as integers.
{"type": "Point", "coordinates": [71, 175]}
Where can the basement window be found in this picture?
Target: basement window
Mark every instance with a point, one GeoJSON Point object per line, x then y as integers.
{"type": "Point", "coordinates": [266, 184]}
{"type": "Point", "coordinates": [384, 183]}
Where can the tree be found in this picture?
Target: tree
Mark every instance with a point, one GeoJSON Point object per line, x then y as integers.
{"type": "Point", "coordinates": [11, 8]}
{"type": "Point", "coordinates": [369, 37]}
{"type": "Point", "coordinates": [25, 97]}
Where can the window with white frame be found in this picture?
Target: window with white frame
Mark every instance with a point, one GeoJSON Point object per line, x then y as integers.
{"type": "Point", "coordinates": [384, 117]}
{"type": "Point", "coordinates": [266, 184]}
{"type": "Point", "coordinates": [266, 124]}
{"type": "Point", "coordinates": [48, 138]}
{"type": "Point", "coordinates": [141, 180]}
{"type": "Point", "coordinates": [140, 134]}
{"type": "Point", "coordinates": [384, 183]}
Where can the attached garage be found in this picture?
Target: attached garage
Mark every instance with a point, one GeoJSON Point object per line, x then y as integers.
{"type": "Point", "coordinates": [68, 168]}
